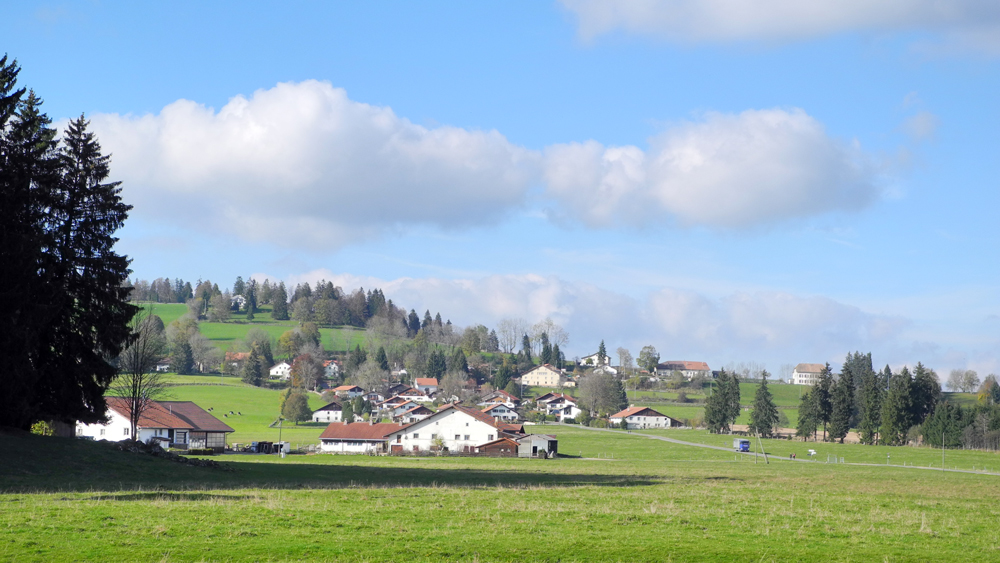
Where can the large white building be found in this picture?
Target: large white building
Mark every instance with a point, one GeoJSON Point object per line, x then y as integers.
{"type": "Point", "coordinates": [807, 374]}
{"type": "Point", "coordinates": [281, 370]}
{"type": "Point", "coordinates": [688, 369]}
{"type": "Point", "coordinates": [356, 437]}
{"type": "Point", "coordinates": [453, 428]}
{"type": "Point", "coordinates": [542, 376]}
{"type": "Point", "coordinates": [177, 424]}
{"type": "Point", "coordinates": [643, 417]}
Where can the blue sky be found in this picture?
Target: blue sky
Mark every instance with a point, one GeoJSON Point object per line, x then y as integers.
{"type": "Point", "coordinates": [728, 181]}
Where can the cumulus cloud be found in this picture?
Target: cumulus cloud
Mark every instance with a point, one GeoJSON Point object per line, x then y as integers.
{"type": "Point", "coordinates": [725, 171]}
{"type": "Point", "coordinates": [921, 126]}
{"type": "Point", "coordinates": [962, 24]}
{"type": "Point", "coordinates": [773, 326]}
{"type": "Point", "coordinates": [301, 163]}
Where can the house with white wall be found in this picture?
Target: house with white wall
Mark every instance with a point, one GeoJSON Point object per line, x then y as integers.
{"type": "Point", "coordinates": [331, 412]}
{"type": "Point", "coordinates": [688, 369]}
{"type": "Point", "coordinates": [356, 437]}
{"type": "Point", "coordinates": [807, 374]}
{"type": "Point", "coordinates": [643, 417]}
{"type": "Point", "coordinates": [281, 370]}
{"type": "Point", "coordinates": [177, 424]}
{"type": "Point", "coordinates": [501, 411]}
{"type": "Point", "coordinates": [428, 385]}
{"type": "Point", "coordinates": [542, 376]}
{"type": "Point", "coordinates": [455, 428]}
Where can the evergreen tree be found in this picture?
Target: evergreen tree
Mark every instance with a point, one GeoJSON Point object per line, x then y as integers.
{"type": "Point", "coordinates": [557, 357]}
{"type": "Point", "coordinates": [732, 403]}
{"type": "Point", "coordinates": [436, 364]}
{"type": "Point", "coordinates": [239, 286]}
{"type": "Point", "coordinates": [842, 408]}
{"type": "Point", "coordinates": [823, 397]}
{"type": "Point", "coordinates": [428, 321]}
{"type": "Point", "coordinates": [526, 349]}
{"type": "Point", "coordinates": [253, 369]}
{"type": "Point", "coordinates": [808, 418]}
{"type": "Point", "coordinates": [873, 393]}
{"type": "Point", "coordinates": [719, 411]}
{"type": "Point", "coordinates": [279, 307]}
{"type": "Point", "coordinates": [356, 357]}
{"type": "Point", "coordinates": [763, 415]}
{"type": "Point", "coordinates": [181, 355]}
{"type": "Point", "coordinates": [924, 393]}
{"type": "Point", "coordinates": [545, 355]}
{"type": "Point", "coordinates": [493, 342]}
{"type": "Point", "coordinates": [414, 324]}
{"type": "Point", "coordinates": [897, 409]}
{"type": "Point", "coordinates": [620, 395]}
{"type": "Point", "coordinates": [503, 375]}
{"type": "Point", "coordinates": [381, 359]}
{"type": "Point", "coordinates": [459, 361]}
{"type": "Point", "coordinates": [296, 408]}
{"type": "Point", "coordinates": [251, 295]}
{"type": "Point", "coordinates": [602, 354]}
{"type": "Point", "coordinates": [946, 423]}
{"type": "Point", "coordinates": [347, 412]}
{"type": "Point", "coordinates": [513, 389]}
{"type": "Point", "coordinates": [437, 321]}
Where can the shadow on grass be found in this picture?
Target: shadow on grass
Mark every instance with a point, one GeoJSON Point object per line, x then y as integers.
{"type": "Point", "coordinates": [167, 496]}
{"type": "Point", "coordinates": [34, 464]}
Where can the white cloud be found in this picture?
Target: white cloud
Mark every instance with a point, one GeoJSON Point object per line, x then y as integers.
{"type": "Point", "coordinates": [963, 24]}
{"type": "Point", "coordinates": [776, 327]}
{"type": "Point", "coordinates": [726, 171]}
{"type": "Point", "coordinates": [301, 163]}
{"type": "Point", "coordinates": [921, 126]}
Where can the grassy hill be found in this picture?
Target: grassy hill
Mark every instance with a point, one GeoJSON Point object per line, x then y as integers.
{"type": "Point", "coordinates": [628, 498]}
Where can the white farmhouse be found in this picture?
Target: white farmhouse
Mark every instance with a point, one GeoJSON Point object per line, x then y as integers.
{"type": "Point", "coordinates": [177, 424]}
{"type": "Point", "coordinates": [331, 412]}
{"type": "Point", "coordinates": [455, 428]}
{"type": "Point", "coordinates": [643, 417]}
{"type": "Point", "coordinates": [356, 438]}
{"type": "Point", "coordinates": [807, 374]}
{"type": "Point", "coordinates": [281, 370]}
{"type": "Point", "coordinates": [688, 369]}
{"type": "Point", "coordinates": [501, 411]}
{"type": "Point", "coordinates": [428, 385]}
{"type": "Point", "coordinates": [542, 376]}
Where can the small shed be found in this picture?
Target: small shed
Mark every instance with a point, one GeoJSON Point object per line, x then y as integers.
{"type": "Point", "coordinates": [504, 447]}
{"type": "Point", "coordinates": [538, 445]}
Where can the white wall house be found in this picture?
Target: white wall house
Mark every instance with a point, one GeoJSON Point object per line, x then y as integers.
{"type": "Point", "coordinates": [644, 417]}
{"type": "Point", "coordinates": [594, 360]}
{"type": "Point", "coordinates": [281, 370]}
{"type": "Point", "coordinates": [501, 411]}
{"type": "Point", "coordinates": [460, 429]}
{"type": "Point", "coordinates": [807, 374]}
{"type": "Point", "coordinates": [688, 369]}
{"type": "Point", "coordinates": [542, 376]}
{"type": "Point", "coordinates": [428, 385]}
{"type": "Point", "coordinates": [180, 424]}
{"type": "Point", "coordinates": [349, 391]}
{"type": "Point", "coordinates": [331, 369]}
{"type": "Point", "coordinates": [356, 438]}
{"type": "Point", "coordinates": [328, 413]}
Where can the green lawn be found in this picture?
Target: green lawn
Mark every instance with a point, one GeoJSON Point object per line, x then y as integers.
{"type": "Point", "coordinates": [643, 500]}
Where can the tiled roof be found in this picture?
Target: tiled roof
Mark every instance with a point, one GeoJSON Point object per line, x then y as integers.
{"type": "Point", "coordinates": [197, 417]}
{"type": "Point", "coordinates": [631, 411]}
{"type": "Point", "coordinates": [426, 381]}
{"type": "Point", "coordinates": [809, 368]}
{"type": "Point", "coordinates": [680, 365]}
{"type": "Point", "coordinates": [346, 388]}
{"type": "Point", "coordinates": [377, 432]}
{"type": "Point", "coordinates": [334, 406]}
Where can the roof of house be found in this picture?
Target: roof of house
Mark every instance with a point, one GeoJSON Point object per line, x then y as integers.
{"type": "Point", "coordinates": [373, 432]}
{"type": "Point", "coordinates": [503, 393]}
{"type": "Point", "coordinates": [178, 415]}
{"type": "Point", "coordinates": [536, 368]}
{"type": "Point", "coordinates": [809, 368]}
{"type": "Point", "coordinates": [417, 408]}
{"type": "Point", "coordinates": [529, 437]}
{"type": "Point", "coordinates": [347, 388]}
{"type": "Point", "coordinates": [632, 411]}
{"type": "Point", "coordinates": [561, 397]}
{"type": "Point", "coordinates": [680, 365]}
{"type": "Point", "coordinates": [488, 408]}
{"type": "Point", "coordinates": [236, 356]}
{"type": "Point", "coordinates": [430, 381]}
{"type": "Point", "coordinates": [334, 406]}
{"type": "Point", "coordinates": [512, 443]}
{"type": "Point", "coordinates": [199, 419]}
{"type": "Point", "coordinates": [483, 417]}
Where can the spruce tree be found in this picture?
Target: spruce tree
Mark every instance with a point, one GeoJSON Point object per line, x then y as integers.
{"type": "Point", "coordinates": [239, 286]}
{"type": "Point", "coordinates": [279, 307]}
{"type": "Point", "coordinates": [526, 348]}
{"type": "Point", "coordinates": [732, 403]}
{"type": "Point", "coordinates": [253, 369]}
{"type": "Point", "coordinates": [822, 396]}
{"type": "Point", "coordinates": [897, 409]}
{"type": "Point", "coordinates": [182, 358]}
{"type": "Point", "coordinates": [459, 362]}
{"type": "Point", "coordinates": [347, 412]}
{"type": "Point", "coordinates": [871, 407]}
{"type": "Point", "coordinates": [842, 406]}
{"type": "Point", "coordinates": [436, 364]}
{"type": "Point", "coordinates": [808, 419]}
{"type": "Point", "coordinates": [413, 327]}
{"type": "Point", "coordinates": [602, 354]}
{"type": "Point", "coordinates": [428, 321]}
{"type": "Point", "coordinates": [382, 359]}
{"type": "Point", "coordinates": [763, 415]}
{"type": "Point", "coordinates": [924, 393]}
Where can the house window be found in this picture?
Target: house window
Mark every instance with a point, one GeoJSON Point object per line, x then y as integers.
{"type": "Point", "coordinates": [466, 423]}
{"type": "Point", "coordinates": [458, 437]}
{"type": "Point", "coordinates": [434, 436]}
{"type": "Point", "coordinates": [416, 436]}
{"type": "Point", "coordinates": [490, 437]}
{"type": "Point", "coordinates": [466, 436]}
{"type": "Point", "coordinates": [126, 431]}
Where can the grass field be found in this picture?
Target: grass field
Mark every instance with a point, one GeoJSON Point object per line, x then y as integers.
{"type": "Point", "coordinates": [67, 500]}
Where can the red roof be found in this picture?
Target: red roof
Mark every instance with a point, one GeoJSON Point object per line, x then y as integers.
{"type": "Point", "coordinates": [681, 365]}
{"type": "Point", "coordinates": [632, 411]}
{"type": "Point", "coordinates": [426, 381]}
{"type": "Point", "coordinates": [346, 388]}
{"type": "Point", "coordinates": [377, 432]}
{"type": "Point", "coordinates": [178, 415]}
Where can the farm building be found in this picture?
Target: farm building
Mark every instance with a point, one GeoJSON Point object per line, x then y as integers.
{"type": "Point", "coordinates": [429, 385]}
{"type": "Point", "coordinates": [501, 411]}
{"type": "Point", "coordinates": [282, 370]}
{"type": "Point", "coordinates": [688, 369]}
{"type": "Point", "coordinates": [176, 424]}
{"type": "Point", "coordinates": [356, 438]}
{"type": "Point", "coordinates": [537, 445]}
{"type": "Point", "coordinates": [503, 447]}
{"type": "Point", "coordinates": [456, 428]}
{"type": "Point", "coordinates": [331, 412]}
{"type": "Point", "coordinates": [807, 374]}
{"type": "Point", "coordinates": [348, 391]}
{"type": "Point", "coordinates": [643, 417]}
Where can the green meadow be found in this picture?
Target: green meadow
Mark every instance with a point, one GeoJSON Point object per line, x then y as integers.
{"type": "Point", "coordinates": [628, 498]}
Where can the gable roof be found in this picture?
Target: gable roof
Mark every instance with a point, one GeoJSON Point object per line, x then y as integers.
{"type": "Point", "coordinates": [503, 394]}
{"type": "Point", "coordinates": [536, 368]}
{"type": "Point", "coordinates": [346, 388]}
{"type": "Point", "coordinates": [509, 441]}
{"type": "Point", "coordinates": [681, 365]}
{"type": "Point", "coordinates": [417, 408]}
{"type": "Point", "coordinates": [632, 411]}
{"type": "Point", "coordinates": [375, 432]}
{"type": "Point", "coordinates": [488, 408]}
{"type": "Point", "coordinates": [334, 406]}
{"type": "Point", "coordinates": [199, 419]}
{"type": "Point", "coordinates": [177, 415]}
{"type": "Point", "coordinates": [809, 368]}
{"type": "Point", "coordinates": [430, 381]}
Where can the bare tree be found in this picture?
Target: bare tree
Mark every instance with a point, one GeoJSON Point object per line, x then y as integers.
{"type": "Point", "coordinates": [510, 332]}
{"type": "Point", "coordinates": [556, 333]}
{"type": "Point", "coordinates": [138, 383]}
{"type": "Point", "coordinates": [624, 360]}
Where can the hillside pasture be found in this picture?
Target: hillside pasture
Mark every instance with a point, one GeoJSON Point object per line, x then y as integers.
{"type": "Point", "coordinates": [641, 500]}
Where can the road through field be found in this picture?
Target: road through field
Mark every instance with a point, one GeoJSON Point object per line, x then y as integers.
{"type": "Point", "coordinates": [721, 448]}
